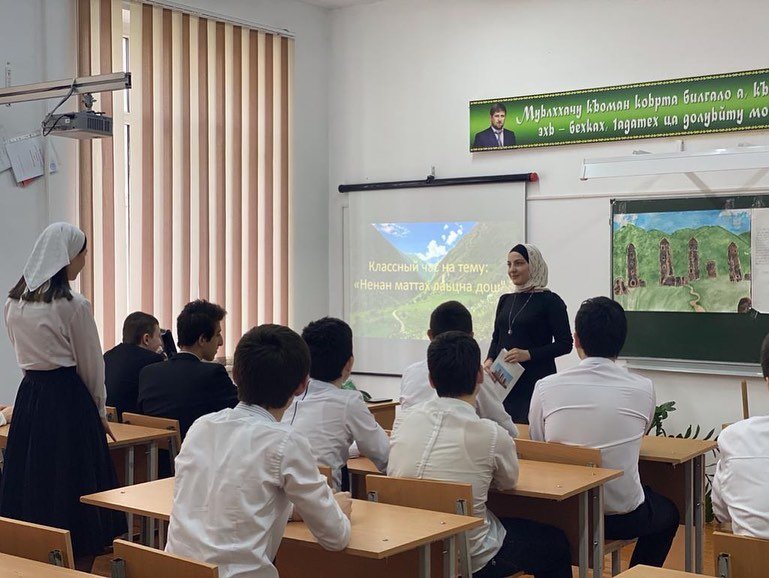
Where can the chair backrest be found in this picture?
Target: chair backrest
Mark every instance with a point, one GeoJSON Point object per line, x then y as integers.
{"type": "Point", "coordinates": [326, 471]}
{"type": "Point", "coordinates": [439, 496]}
{"type": "Point", "coordinates": [740, 556]}
{"type": "Point", "coordinates": [112, 414]}
{"type": "Point", "coordinates": [36, 542]}
{"type": "Point", "coordinates": [558, 453]}
{"type": "Point", "coordinates": [136, 561]}
{"type": "Point", "coordinates": [160, 423]}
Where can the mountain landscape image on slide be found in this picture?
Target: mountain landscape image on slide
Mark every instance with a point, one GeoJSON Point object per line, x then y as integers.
{"type": "Point", "coordinates": [686, 261]}
{"type": "Point", "coordinates": [441, 260]}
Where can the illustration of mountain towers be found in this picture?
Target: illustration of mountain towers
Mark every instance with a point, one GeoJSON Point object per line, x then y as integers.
{"type": "Point", "coordinates": [666, 264]}
{"type": "Point", "coordinates": [632, 266]}
{"type": "Point", "coordinates": [694, 259]}
{"type": "Point", "coordinates": [733, 258]}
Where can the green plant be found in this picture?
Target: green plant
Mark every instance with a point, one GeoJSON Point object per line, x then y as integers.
{"type": "Point", "coordinates": [661, 413]}
{"type": "Point", "coordinates": [349, 384]}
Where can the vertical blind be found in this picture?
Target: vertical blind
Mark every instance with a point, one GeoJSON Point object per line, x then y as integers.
{"type": "Point", "coordinates": [190, 197]}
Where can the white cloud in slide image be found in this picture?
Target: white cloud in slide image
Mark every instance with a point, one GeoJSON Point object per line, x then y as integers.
{"type": "Point", "coordinates": [434, 251]}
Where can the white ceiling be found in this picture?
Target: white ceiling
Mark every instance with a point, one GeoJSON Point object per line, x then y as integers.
{"type": "Point", "coordinates": [337, 3]}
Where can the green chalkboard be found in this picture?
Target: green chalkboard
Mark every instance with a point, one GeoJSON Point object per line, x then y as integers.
{"type": "Point", "coordinates": [681, 267]}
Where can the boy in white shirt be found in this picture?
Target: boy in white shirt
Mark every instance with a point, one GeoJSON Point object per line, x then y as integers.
{"type": "Point", "coordinates": [444, 439]}
{"type": "Point", "coordinates": [240, 469]}
{"type": "Point", "coordinates": [602, 405]}
{"type": "Point", "coordinates": [415, 386]}
{"type": "Point", "coordinates": [332, 418]}
{"type": "Point", "coordinates": [740, 493]}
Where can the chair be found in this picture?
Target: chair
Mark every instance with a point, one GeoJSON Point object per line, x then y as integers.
{"type": "Point", "coordinates": [740, 556]}
{"type": "Point", "coordinates": [36, 542]}
{"type": "Point", "coordinates": [326, 471]}
{"type": "Point", "coordinates": [578, 456]}
{"type": "Point", "coordinates": [112, 414]}
{"type": "Point", "coordinates": [173, 445]}
{"type": "Point", "coordinates": [439, 496]}
{"type": "Point", "coordinates": [137, 561]}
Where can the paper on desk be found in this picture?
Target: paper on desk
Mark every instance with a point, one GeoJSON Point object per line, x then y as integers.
{"type": "Point", "coordinates": [26, 153]}
{"type": "Point", "coordinates": [759, 259]}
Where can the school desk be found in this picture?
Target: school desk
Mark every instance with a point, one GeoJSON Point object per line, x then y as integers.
{"type": "Point", "coordinates": [384, 413]}
{"type": "Point", "coordinates": [15, 567]}
{"type": "Point", "coordinates": [675, 467]}
{"type": "Point", "coordinates": [558, 494]}
{"type": "Point", "coordinates": [379, 531]}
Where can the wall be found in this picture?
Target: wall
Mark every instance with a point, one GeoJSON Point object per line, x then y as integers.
{"type": "Point", "coordinates": [403, 72]}
{"type": "Point", "coordinates": [38, 37]}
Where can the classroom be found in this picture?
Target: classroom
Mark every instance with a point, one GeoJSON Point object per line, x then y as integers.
{"type": "Point", "coordinates": [253, 143]}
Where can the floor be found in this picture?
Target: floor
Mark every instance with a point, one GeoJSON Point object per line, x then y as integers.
{"type": "Point", "coordinates": [675, 559]}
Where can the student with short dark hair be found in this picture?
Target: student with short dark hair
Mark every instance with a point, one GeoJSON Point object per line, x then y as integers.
{"type": "Point", "coordinates": [602, 405]}
{"type": "Point", "coordinates": [330, 417]}
{"type": "Point", "coordinates": [739, 485]}
{"type": "Point", "coordinates": [415, 385]}
{"type": "Point", "coordinates": [187, 385]}
{"type": "Point", "coordinates": [240, 470]}
{"type": "Point", "coordinates": [444, 439]}
{"type": "Point", "coordinates": [141, 346]}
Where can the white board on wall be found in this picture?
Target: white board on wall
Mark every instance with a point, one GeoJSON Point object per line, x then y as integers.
{"type": "Point", "coordinates": [408, 250]}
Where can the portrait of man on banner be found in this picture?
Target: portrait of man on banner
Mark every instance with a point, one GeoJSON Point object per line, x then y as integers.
{"type": "Point", "coordinates": [496, 135]}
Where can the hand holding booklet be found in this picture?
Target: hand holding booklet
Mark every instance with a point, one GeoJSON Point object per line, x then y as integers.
{"type": "Point", "coordinates": [504, 375]}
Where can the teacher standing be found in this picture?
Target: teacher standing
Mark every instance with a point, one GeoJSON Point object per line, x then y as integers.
{"type": "Point", "coordinates": [57, 450]}
{"type": "Point", "coordinates": [531, 324]}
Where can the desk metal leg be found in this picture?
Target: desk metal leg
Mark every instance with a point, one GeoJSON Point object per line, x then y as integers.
{"type": "Point", "coordinates": [699, 482]}
{"type": "Point", "coordinates": [688, 514]}
{"type": "Point", "coordinates": [450, 557]}
{"type": "Point", "coordinates": [152, 474]}
{"type": "Point", "coordinates": [584, 534]}
{"type": "Point", "coordinates": [424, 561]}
{"type": "Point", "coordinates": [129, 480]}
{"type": "Point", "coordinates": [161, 535]}
{"type": "Point", "coordinates": [596, 499]}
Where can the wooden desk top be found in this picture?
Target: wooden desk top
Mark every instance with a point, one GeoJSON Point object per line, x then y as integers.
{"type": "Point", "coordinates": [536, 479]}
{"type": "Point", "coordinates": [378, 530]}
{"type": "Point", "coordinates": [649, 572]}
{"type": "Point", "coordinates": [14, 567]}
{"type": "Point", "coordinates": [382, 405]}
{"type": "Point", "coordinates": [152, 499]}
{"type": "Point", "coordinates": [125, 434]}
{"type": "Point", "coordinates": [659, 448]}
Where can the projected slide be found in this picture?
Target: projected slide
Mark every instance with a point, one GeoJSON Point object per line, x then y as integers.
{"type": "Point", "coordinates": [408, 268]}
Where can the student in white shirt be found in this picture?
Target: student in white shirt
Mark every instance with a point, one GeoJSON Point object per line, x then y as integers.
{"type": "Point", "coordinates": [240, 470]}
{"type": "Point", "coordinates": [444, 439]}
{"type": "Point", "coordinates": [415, 385]}
{"type": "Point", "coordinates": [600, 404]}
{"type": "Point", "coordinates": [330, 417]}
{"type": "Point", "coordinates": [740, 493]}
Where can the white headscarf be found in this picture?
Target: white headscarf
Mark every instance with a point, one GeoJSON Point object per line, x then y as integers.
{"type": "Point", "coordinates": [537, 271]}
{"type": "Point", "coordinates": [55, 248]}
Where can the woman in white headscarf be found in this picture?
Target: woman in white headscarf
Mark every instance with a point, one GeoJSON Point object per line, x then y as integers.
{"type": "Point", "coordinates": [531, 324]}
{"type": "Point", "coordinates": [57, 450]}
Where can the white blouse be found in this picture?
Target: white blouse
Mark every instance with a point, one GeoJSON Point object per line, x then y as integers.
{"type": "Point", "coordinates": [62, 333]}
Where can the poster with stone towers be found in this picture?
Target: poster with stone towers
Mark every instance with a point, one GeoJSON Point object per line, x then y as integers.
{"type": "Point", "coordinates": [682, 261]}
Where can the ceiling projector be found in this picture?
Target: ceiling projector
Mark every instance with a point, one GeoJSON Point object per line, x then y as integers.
{"type": "Point", "coordinates": [84, 124]}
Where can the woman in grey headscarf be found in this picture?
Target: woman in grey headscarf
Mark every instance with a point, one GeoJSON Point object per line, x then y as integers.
{"type": "Point", "coordinates": [531, 324]}
{"type": "Point", "coordinates": [57, 450]}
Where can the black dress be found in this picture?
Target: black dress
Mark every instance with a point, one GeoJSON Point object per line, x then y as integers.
{"type": "Point", "coordinates": [538, 323]}
{"type": "Point", "coordinates": [57, 452]}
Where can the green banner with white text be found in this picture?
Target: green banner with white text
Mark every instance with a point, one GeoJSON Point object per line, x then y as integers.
{"type": "Point", "coordinates": [697, 105]}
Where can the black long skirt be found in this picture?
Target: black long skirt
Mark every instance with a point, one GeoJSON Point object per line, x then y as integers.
{"type": "Point", "coordinates": [57, 452]}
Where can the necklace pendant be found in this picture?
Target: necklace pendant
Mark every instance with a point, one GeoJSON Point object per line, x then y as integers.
{"type": "Point", "coordinates": [509, 331]}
